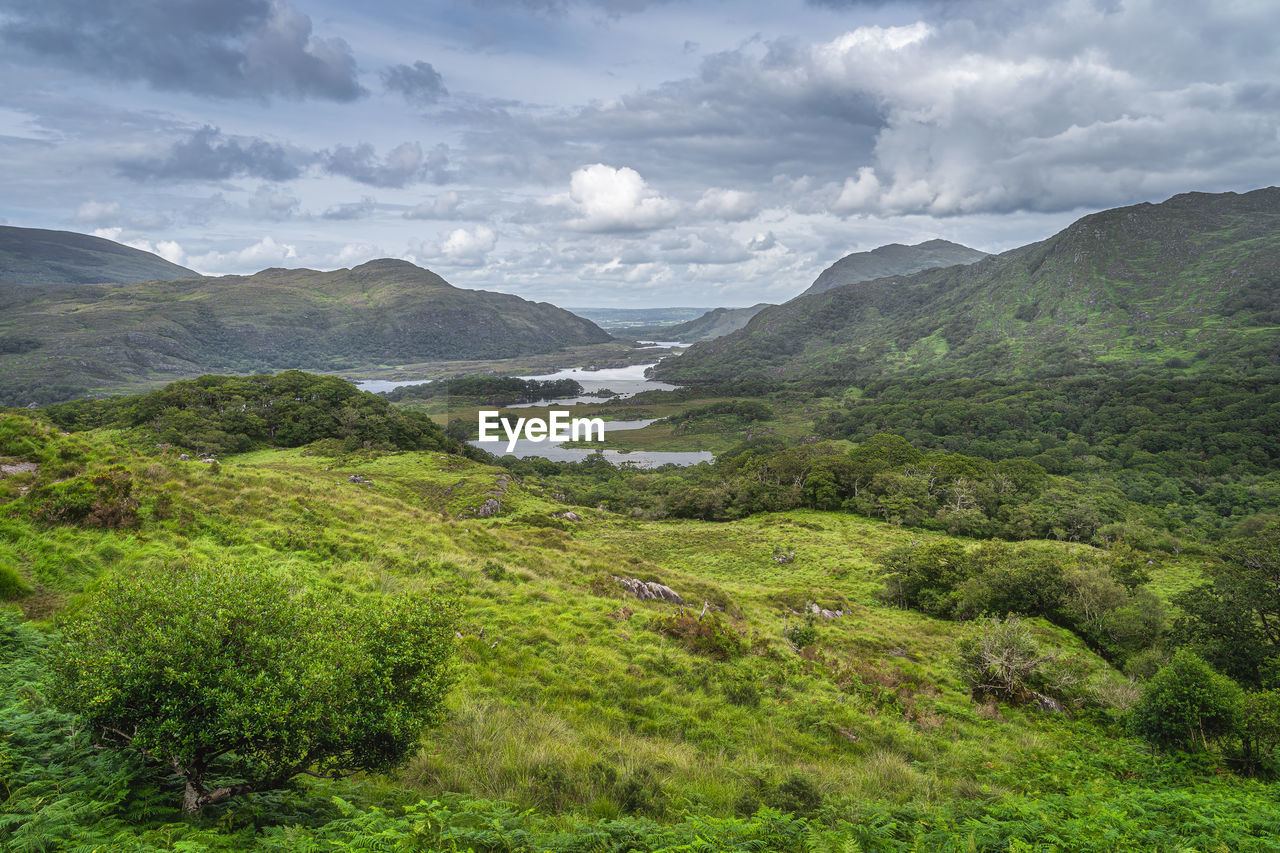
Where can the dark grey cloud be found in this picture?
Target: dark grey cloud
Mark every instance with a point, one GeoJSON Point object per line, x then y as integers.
{"type": "Point", "coordinates": [403, 165]}
{"type": "Point", "coordinates": [419, 83]}
{"type": "Point", "coordinates": [210, 156]}
{"type": "Point", "coordinates": [224, 48]}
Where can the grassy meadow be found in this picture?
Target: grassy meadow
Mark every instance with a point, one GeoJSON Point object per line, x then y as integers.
{"type": "Point", "coordinates": [587, 710]}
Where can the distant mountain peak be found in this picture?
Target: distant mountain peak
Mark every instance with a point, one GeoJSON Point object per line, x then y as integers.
{"type": "Point", "coordinates": [893, 259]}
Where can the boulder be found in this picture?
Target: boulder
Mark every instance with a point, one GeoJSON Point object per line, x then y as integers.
{"type": "Point", "coordinates": [650, 591]}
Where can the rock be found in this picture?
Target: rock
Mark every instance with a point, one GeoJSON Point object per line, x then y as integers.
{"type": "Point", "coordinates": [184, 457]}
{"type": "Point", "coordinates": [650, 591]}
{"type": "Point", "coordinates": [208, 460]}
{"type": "Point", "coordinates": [10, 468]}
{"type": "Point", "coordinates": [357, 478]}
{"type": "Point", "coordinates": [1048, 703]}
{"type": "Point", "coordinates": [567, 515]}
{"type": "Point", "coordinates": [490, 507]}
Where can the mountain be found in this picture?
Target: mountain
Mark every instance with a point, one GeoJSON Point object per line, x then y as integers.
{"type": "Point", "coordinates": [893, 259]}
{"type": "Point", "coordinates": [713, 324]}
{"type": "Point", "coordinates": [59, 343]}
{"type": "Point", "coordinates": [1189, 283]}
{"type": "Point", "coordinates": [35, 257]}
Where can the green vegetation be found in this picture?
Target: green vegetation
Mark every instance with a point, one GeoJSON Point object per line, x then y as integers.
{"type": "Point", "coordinates": [713, 324]}
{"type": "Point", "coordinates": [488, 390]}
{"type": "Point", "coordinates": [240, 674]}
{"type": "Point", "coordinates": [383, 312]}
{"type": "Point", "coordinates": [893, 259]}
{"type": "Point", "coordinates": [34, 257]}
{"type": "Point", "coordinates": [704, 723]}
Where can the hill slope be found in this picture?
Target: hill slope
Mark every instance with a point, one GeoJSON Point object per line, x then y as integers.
{"type": "Point", "coordinates": [1190, 282]}
{"type": "Point", "coordinates": [35, 257]}
{"type": "Point", "coordinates": [893, 259]}
{"type": "Point", "coordinates": [58, 343]}
{"type": "Point", "coordinates": [716, 323]}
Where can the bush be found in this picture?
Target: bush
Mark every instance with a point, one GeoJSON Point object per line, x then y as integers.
{"type": "Point", "coordinates": [1186, 705]}
{"type": "Point", "coordinates": [802, 634]}
{"type": "Point", "coordinates": [1000, 659]}
{"type": "Point", "coordinates": [710, 635]}
{"type": "Point", "coordinates": [236, 679]}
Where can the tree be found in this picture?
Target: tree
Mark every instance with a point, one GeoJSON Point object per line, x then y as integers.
{"type": "Point", "coordinates": [1186, 705]}
{"type": "Point", "coordinates": [239, 677]}
{"type": "Point", "coordinates": [1234, 620]}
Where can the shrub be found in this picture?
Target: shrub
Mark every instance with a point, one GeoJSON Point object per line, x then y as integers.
{"type": "Point", "coordinates": [710, 635]}
{"type": "Point", "coordinates": [1186, 705]}
{"type": "Point", "coordinates": [101, 500]}
{"type": "Point", "coordinates": [1000, 659]}
{"type": "Point", "coordinates": [802, 634]}
{"type": "Point", "coordinates": [236, 679]}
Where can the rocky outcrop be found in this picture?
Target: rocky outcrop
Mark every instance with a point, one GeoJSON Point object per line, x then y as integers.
{"type": "Point", "coordinates": [650, 591]}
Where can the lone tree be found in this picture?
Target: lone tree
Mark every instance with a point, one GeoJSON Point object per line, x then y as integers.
{"type": "Point", "coordinates": [239, 678]}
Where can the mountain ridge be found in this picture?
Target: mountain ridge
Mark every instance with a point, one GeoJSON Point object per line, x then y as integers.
{"type": "Point", "coordinates": [892, 259]}
{"type": "Point", "coordinates": [1192, 280]}
{"type": "Point", "coordinates": [39, 257]}
{"type": "Point", "coordinates": [68, 341]}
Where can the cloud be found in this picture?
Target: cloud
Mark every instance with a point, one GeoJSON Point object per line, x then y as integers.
{"type": "Point", "coordinates": [610, 199]}
{"type": "Point", "coordinates": [443, 206]}
{"type": "Point", "coordinates": [230, 49]}
{"type": "Point", "coordinates": [352, 210]}
{"type": "Point", "coordinates": [265, 253]}
{"type": "Point", "coordinates": [97, 212]}
{"type": "Point", "coordinates": [762, 242]}
{"type": "Point", "coordinates": [727, 205]}
{"type": "Point", "coordinates": [405, 164]}
{"type": "Point", "coordinates": [271, 203]}
{"type": "Point", "coordinates": [170, 250]}
{"type": "Point", "coordinates": [419, 83]}
{"type": "Point", "coordinates": [207, 155]}
{"type": "Point", "coordinates": [468, 248]}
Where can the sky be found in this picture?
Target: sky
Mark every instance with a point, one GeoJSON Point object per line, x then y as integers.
{"type": "Point", "coordinates": [625, 153]}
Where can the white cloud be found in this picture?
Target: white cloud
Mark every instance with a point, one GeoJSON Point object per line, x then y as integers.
{"type": "Point", "coordinates": [170, 250]}
{"type": "Point", "coordinates": [859, 194]}
{"type": "Point", "coordinates": [727, 205]}
{"type": "Point", "coordinates": [265, 253]}
{"type": "Point", "coordinates": [468, 248]}
{"type": "Point", "coordinates": [610, 199]}
{"type": "Point", "coordinates": [98, 212]}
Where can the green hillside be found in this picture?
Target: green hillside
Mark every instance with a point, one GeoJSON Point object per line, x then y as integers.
{"type": "Point", "coordinates": [713, 324]}
{"type": "Point", "coordinates": [893, 259]}
{"type": "Point", "coordinates": [35, 257]}
{"type": "Point", "coordinates": [1191, 282]}
{"type": "Point", "coordinates": [583, 718]}
{"type": "Point", "coordinates": [60, 343]}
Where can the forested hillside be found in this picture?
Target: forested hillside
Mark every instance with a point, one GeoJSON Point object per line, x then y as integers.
{"type": "Point", "coordinates": [61, 343]}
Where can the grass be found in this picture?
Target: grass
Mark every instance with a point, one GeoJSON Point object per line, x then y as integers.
{"type": "Point", "coordinates": [569, 699]}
